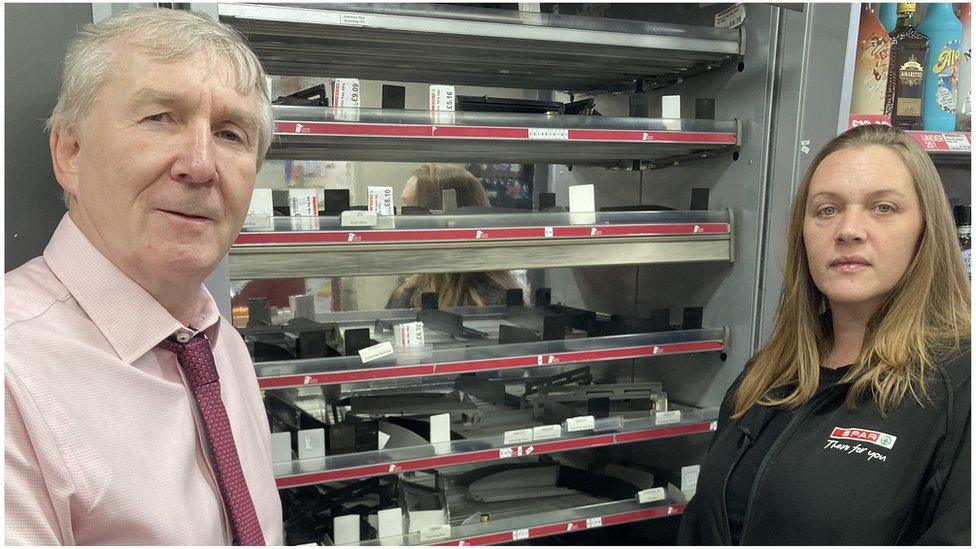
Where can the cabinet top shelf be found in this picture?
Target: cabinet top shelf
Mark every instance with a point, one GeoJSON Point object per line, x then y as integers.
{"type": "Point", "coordinates": [472, 46]}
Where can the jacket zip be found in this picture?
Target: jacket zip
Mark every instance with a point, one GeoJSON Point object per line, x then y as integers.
{"type": "Point", "coordinates": [746, 443]}
{"type": "Point", "coordinates": [780, 442]}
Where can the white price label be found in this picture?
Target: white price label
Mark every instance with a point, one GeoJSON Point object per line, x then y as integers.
{"type": "Point", "coordinates": [410, 335]}
{"type": "Point", "coordinates": [520, 534]}
{"type": "Point", "coordinates": [504, 453]}
{"type": "Point", "coordinates": [549, 134]}
{"type": "Point", "coordinates": [667, 418]}
{"type": "Point", "coordinates": [442, 98]}
{"type": "Point", "coordinates": [957, 141]}
{"type": "Point", "coordinates": [713, 426]}
{"type": "Point", "coordinates": [376, 352]}
{"type": "Point", "coordinates": [357, 218]}
{"type": "Point", "coordinates": [353, 19]}
{"type": "Point", "coordinates": [546, 432]}
{"type": "Point", "coordinates": [380, 200]}
{"type": "Point", "coordinates": [581, 423]}
{"type": "Point", "coordinates": [543, 360]}
{"type": "Point", "coordinates": [594, 522]}
{"type": "Point", "coordinates": [651, 494]}
{"type": "Point", "coordinates": [548, 232]}
{"type": "Point", "coordinates": [731, 17]}
{"type": "Point", "coordinates": [689, 479]}
{"type": "Point", "coordinates": [303, 202]}
{"type": "Point", "coordinates": [257, 221]}
{"type": "Point", "coordinates": [440, 532]}
{"type": "Point", "coordinates": [518, 436]}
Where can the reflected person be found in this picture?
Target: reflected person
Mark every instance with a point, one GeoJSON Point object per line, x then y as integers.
{"type": "Point", "coordinates": [425, 188]}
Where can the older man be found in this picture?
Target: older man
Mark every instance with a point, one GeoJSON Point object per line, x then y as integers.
{"type": "Point", "coordinates": [132, 409]}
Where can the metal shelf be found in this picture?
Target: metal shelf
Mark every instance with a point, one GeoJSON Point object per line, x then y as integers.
{"type": "Point", "coordinates": [317, 133]}
{"type": "Point", "coordinates": [946, 147]}
{"type": "Point", "coordinates": [458, 452]}
{"type": "Point", "coordinates": [350, 369]}
{"type": "Point", "coordinates": [459, 243]}
{"type": "Point", "coordinates": [461, 45]}
{"type": "Point", "coordinates": [545, 524]}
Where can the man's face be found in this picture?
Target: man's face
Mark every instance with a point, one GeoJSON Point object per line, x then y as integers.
{"type": "Point", "coordinates": [164, 166]}
{"type": "Point", "coordinates": [862, 225]}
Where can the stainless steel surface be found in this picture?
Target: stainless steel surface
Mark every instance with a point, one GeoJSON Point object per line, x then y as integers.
{"type": "Point", "coordinates": [467, 149]}
{"type": "Point", "coordinates": [248, 263]}
{"type": "Point", "coordinates": [460, 45]}
{"type": "Point", "coordinates": [375, 457]}
{"type": "Point", "coordinates": [813, 50]}
{"type": "Point", "coordinates": [545, 517]}
{"type": "Point", "coordinates": [526, 218]}
{"type": "Point", "coordinates": [487, 351]}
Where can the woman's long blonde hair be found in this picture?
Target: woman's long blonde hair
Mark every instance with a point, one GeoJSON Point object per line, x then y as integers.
{"type": "Point", "coordinates": [454, 289]}
{"type": "Point", "coordinates": [924, 318]}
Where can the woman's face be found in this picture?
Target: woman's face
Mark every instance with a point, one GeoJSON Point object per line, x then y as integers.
{"type": "Point", "coordinates": [409, 195]}
{"type": "Point", "coordinates": [861, 226]}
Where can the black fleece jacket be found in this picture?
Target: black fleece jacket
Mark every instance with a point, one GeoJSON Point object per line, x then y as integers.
{"type": "Point", "coordinates": [847, 477]}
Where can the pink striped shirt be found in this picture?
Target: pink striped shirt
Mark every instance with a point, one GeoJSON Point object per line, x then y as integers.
{"type": "Point", "coordinates": [103, 443]}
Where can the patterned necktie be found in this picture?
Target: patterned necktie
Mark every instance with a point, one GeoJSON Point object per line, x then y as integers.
{"type": "Point", "coordinates": [196, 359]}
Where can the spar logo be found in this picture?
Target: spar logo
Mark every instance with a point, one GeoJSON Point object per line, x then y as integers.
{"type": "Point", "coordinates": [864, 435]}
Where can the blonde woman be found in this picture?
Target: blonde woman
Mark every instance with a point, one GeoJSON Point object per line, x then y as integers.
{"type": "Point", "coordinates": [424, 188]}
{"type": "Point", "coordinates": [851, 425]}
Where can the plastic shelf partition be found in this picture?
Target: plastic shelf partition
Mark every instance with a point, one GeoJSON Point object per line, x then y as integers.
{"type": "Point", "coordinates": [539, 525]}
{"type": "Point", "coordinates": [350, 369]}
{"type": "Point", "coordinates": [459, 452]}
{"type": "Point", "coordinates": [481, 47]}
{"type": "Point", "coordinates": [412, 136]}
{"type": "Point", "coordinates": [459, 243]}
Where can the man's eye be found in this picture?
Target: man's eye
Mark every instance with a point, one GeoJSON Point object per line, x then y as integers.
{"type": "Point", "coordinates": [231, 136]}
{"type": "Point", "coordinates": [160, 117]}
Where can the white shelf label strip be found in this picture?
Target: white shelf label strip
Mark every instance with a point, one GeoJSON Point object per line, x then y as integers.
{"type": "Point", "coordinates": [549, 134]}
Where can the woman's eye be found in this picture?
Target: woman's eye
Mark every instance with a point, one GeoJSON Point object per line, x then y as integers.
{"type": "Point", "coordinates": [885, 208]}
{"type": "Point", "coordinates": [827, 211]}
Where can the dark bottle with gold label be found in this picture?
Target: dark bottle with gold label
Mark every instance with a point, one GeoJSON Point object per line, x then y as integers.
{"type": "Point", "coordinates": [906, 71]}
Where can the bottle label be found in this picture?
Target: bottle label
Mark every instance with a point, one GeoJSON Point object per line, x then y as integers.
{"type": "Point", "coordinates": [907, 106]}
{"type": "Point", "coordinates": [946, 69]}
{"type": "Point", "coordinates": [911, 72]}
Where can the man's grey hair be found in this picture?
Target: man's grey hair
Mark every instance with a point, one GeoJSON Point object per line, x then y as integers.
{"type": "Point", "coordinates": [164, 35]}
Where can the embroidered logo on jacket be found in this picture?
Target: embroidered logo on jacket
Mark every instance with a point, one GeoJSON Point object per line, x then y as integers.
{"type": "Point", "coordinates": [864, 435]}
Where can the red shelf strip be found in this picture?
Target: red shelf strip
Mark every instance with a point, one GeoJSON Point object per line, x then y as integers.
{"type": "Point", "coordinates": [569, 526]}
{"type": "Point", "coordinates": [494, 454]}
{"type": "Point", "coordinates": [468, 366]}
{"type": "Point", "coordinates": [433, 131]}
{"type": "Point", "coordinates": [280, 238]}
{"type": "Point", "coordinates": [949, 142]}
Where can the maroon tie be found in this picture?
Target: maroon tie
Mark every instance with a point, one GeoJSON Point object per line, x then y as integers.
{"type": "Point", "coordinates": [196, 359]}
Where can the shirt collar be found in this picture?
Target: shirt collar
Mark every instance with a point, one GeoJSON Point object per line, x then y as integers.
{"type": "Point", "coordinates": [129, 317]}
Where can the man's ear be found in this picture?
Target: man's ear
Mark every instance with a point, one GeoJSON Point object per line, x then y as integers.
{"type": "Point", "coordinates": [65, 148]}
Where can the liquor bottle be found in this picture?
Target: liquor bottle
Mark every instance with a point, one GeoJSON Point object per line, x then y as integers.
{"type": "Point", "coordinates": [964, 107]}
{"type": "Point", "coordinates": [909, 47]}
{"type": "Point", "coordinates": [870, 65]}
{"type": "Point", "coordinates": [888, 16]}
{"type": "Point", "coordinates": [962, 215]}
{"type": "Point", "coordinates": [941, 67]}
